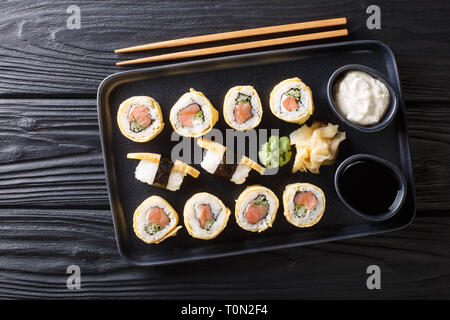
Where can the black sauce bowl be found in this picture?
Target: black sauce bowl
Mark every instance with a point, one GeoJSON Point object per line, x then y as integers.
{"type": "Point", "coordinates": [398, 201]}
{"type": "Point", "coordinates": [388, 115]}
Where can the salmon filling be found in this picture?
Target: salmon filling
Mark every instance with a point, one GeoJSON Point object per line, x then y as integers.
{"type": "Point", "coordinates": [290, 100]}
{"type": "Point", "coordinates": [257, 210]}
{"type": "Point", "coordinates": [205, 216]}
{"type": "Point", "coordinates": [191, 114]}
{"type": "Point", "coordinates": [139, 118]}
{"type": "Point", "coordinates": [243, 108]}
{"type": "Point", "coordinates": [305, 202]}
{"type": "Point", "coordinates": [157, 219]}
{"type": "Point", "coordinates": [243, 112]}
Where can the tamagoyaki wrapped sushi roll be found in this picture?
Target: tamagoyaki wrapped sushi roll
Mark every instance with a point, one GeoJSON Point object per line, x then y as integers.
{"type": "Point", "coordinates": [205, 216]}
{"type": "Point", "coordinates": [256, 208]}
{"type": "Point", "coordinates": [140, 118]}
{"type": "Point", "coordinates": [193, 115]}
{"type": "Point", "coordinates": [242, 108]}
{"type": "Point", "coordinates": [155, 220]}
{"type": "Point", "coordinates": [304, 204]}
{"type": "Point", "coordinates": [291, 100]}
{"type": "Point", "coordinates": [160, 171]}
{"type": "Point", "coordinates": [214, 162]}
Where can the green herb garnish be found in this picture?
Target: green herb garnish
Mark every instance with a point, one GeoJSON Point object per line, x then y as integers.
{"type": "Point", "coordinates": [152, 228]}
{"type": "Point", "coordinates": [300, 210]}
{"type": "Point", "coordinates": [294, 92]}
{"type": "Point", "coordinates": [209, 223]}
{"type": "Point", "coordinates": [135, 126]}
{"type": "Point", "coordinates": [276, 152]}
{"type": "Point", "coordinates": [243, 98]}
{"type": "Point", "coordinates": [261, 201]}
{"type": "Point", "coordinates": [285, 153]}
{"type": "Point", "coordinates": [199, 116]}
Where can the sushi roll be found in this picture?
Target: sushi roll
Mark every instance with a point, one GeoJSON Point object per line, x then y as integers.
{"type": "Point", "coordinates": [161, 171]}
{"type": "Point", "coordinates": [193, 115]}
{"type": "Point", "coordinates": [291, 101]}
{"type": "Point", "coordinates": [214, 162]}
{"type": "Point", "coordinates": [256, 208]}
{"type": "Point", "coordinates": [155, 220]}
{"type": "Point", "coordinates": [304, 204]}
{"type": "Point", "coordinates": [242, 108]}
{"type": "Point", "coordinates": [140, 118]}
{"type": "Point", "coordinates": [205, 216]}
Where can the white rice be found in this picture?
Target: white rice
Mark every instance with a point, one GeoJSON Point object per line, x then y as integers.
{"type": "Point", "coordinates": [141, 221]}
{"type": "Point", "coordinates": [310, 216]}
{"type": "Point", "coordinates": [230, 105]}
{"type": "Point", "coordinates": [185, 100]}
{"type": "Point", "coordinates": [279, 96]}
{"type": "Point", "coordinates": [245, 201]}
{"type": "Point", "coordinates": [211, 160]}
{"type": "Point", "coordinates": [146, 171]}
{"type": "Point", "coordinates": [156, 119]}
{"type": "Point", "coordinates": [241, 174]}
{"type": "Point", "coordinates": [175, 180]}
{"type": "Point", "coordinates": [218, 210]}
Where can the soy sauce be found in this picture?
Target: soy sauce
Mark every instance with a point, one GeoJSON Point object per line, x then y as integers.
{"type": "Point", "coordinates": [369, 186]}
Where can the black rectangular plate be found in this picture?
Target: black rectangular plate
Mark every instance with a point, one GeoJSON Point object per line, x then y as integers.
{"type": "Point", "coordinates": [314, 65]}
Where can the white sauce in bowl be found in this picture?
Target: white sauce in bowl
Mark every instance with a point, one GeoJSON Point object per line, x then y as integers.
{"type": "Point", "coordinates": [361, 98]}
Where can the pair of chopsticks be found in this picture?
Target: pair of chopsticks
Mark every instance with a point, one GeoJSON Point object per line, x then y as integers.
{"type": "Point", "coordinates": [238, 46]}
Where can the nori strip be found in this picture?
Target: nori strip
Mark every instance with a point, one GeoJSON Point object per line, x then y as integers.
{"type": "Point", "coordinates": [226, 170]}
{"type": "Point", "coordinates": [163, 172]}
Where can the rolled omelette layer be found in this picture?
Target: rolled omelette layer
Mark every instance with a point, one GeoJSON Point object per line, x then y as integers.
{"type": "Point", "coordinates": [291, 100]}
{"type": "Point", "coordinates": [205, 216]}
{"type": "Point", "coordinates": [242, 108]}
{"type": "Point", "coordinates": [193, 115]}
{"type": "Point", "coordinates": [160, 171]}
{"type": "Point", "coordinates": [140, 118]}
{"type": "Point", "coordinates": [155, 220]}
{"type": "Point", "coordinates": [214, 162]}
{"type": "Point", "coordinates": [304, 204]}
{"type": "Point", "coordinates": [256, 208]}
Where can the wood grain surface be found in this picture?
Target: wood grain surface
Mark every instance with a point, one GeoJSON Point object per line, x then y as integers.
{"type": "Point", "coordinates": [54, 208]}
{"type": "Point", "coordinates": [414, 264]}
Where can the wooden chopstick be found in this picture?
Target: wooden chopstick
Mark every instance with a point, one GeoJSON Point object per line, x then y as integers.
{"type": "Point", "coordinates": [237, 34]}
{"type": "Point", "coordinates": [238, 46]}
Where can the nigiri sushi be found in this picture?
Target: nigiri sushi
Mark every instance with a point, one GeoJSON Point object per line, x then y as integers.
{"type": "Point", "coordinates": [214, 163]}
{"type": "Point", "coordinates": [161, 171]}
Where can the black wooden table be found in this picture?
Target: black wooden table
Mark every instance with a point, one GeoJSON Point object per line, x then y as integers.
{"type": "Point", "coordinates": [54, 209]}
